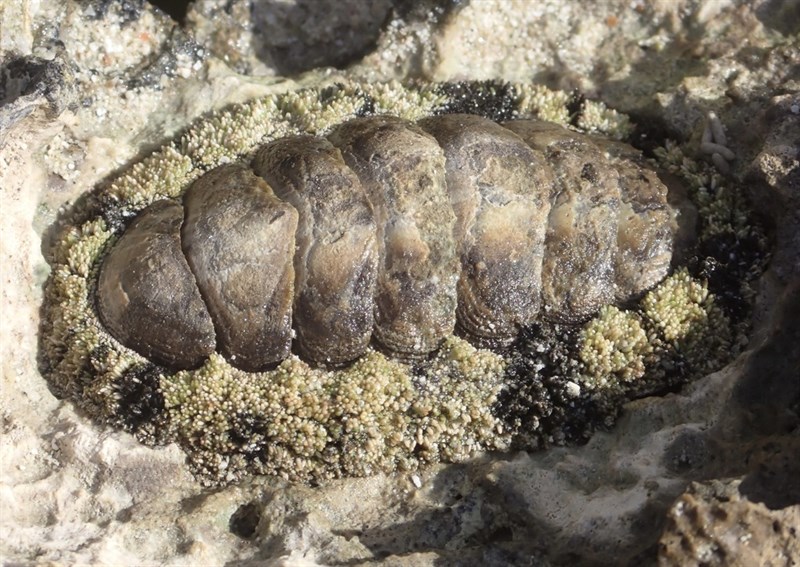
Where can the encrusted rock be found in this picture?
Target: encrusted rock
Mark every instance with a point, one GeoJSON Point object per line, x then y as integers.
{"type": "Point", "coordinates": [712, 524]}
{"type": "Point", "coordinates": [237, 415]}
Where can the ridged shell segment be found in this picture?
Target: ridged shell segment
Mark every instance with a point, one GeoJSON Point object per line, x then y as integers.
{"type": "Point", "coordinates": [393, 233]}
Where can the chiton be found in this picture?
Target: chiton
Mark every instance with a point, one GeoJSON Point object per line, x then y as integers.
{"type": "Point", "coordinates": [344, 185]}
{"type": "Point", "coordinates": [387, 232]}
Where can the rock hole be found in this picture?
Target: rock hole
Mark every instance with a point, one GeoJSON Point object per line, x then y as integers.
{"type": "Point", "coordinates": [244, 520]}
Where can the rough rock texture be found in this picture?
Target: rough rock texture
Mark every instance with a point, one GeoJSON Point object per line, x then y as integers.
{"type": "Point", "coordinates": [712, 524]}
{"type": "Point", "coordinates": [88, 87]}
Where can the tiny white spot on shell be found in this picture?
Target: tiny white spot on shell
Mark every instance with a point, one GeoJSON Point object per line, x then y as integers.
{"type": "Point", "coordinates": [573, 389]}
{"type": "Point", "coordinates": [717, 129]}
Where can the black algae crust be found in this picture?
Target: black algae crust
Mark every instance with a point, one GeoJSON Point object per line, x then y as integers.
{"type": "Point", "coordinates": [495, 100]}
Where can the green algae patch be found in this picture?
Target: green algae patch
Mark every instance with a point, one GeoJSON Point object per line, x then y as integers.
{"type": "Point", "coordinates": [613, 347]}
{"type": "Point", "coordinates": [303, 422]}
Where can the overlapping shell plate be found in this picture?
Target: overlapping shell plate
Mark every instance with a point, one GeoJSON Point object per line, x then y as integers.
{"type": "Point", "coordinates": [426, 267]}
{"type": "Point", "coordinates": [390, 230]}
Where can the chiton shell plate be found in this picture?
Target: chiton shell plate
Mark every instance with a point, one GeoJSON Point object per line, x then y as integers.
{"type": "Point", "coordinates": [390, 232]}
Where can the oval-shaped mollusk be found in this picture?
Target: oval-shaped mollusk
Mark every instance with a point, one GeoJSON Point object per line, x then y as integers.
{"type": "Point", "coordinates": [390, 232]}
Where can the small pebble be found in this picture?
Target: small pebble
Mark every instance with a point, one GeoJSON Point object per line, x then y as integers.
{"type": "Point", "coordinates": [717, 130]}
{"type": "Point", "coordinates": [712, 148]}
{"type": "Point", "coordinates": [720, 163]}
{"type": "Point", "coordinates": [573, 389]}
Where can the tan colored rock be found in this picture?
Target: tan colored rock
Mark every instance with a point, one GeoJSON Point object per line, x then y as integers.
{"type": "Point", "coordinates": [712, 524]}
{"type": "Point", "coordinates": [74, 492]}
